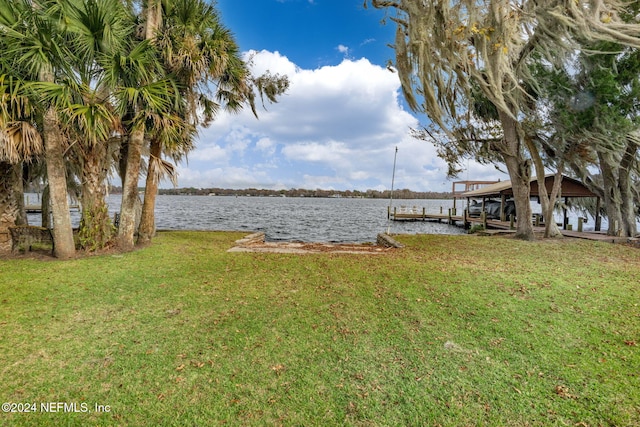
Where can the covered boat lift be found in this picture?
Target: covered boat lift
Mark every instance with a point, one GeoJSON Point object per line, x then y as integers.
{"type": "Point", "coordinates": [571, 188]}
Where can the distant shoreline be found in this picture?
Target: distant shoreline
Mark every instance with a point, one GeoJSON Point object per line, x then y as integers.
{"type": "Point", "coordinates": [298, 192]}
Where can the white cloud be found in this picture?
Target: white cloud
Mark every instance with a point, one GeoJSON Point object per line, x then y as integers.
{"type": "Point", "coordinates": [266, 145]}
{"type": "Point", "coordinates": [206, 152]}
{"type": "Point", "coordinates": [343, 49]}
{"type": "Point", "coordinates": [336, 128]}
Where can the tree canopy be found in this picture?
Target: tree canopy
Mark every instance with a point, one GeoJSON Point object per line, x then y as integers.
{"type": "Point", "coordinates": [469, 66]}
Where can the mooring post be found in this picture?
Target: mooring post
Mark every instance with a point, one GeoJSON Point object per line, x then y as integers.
{"type": "Point", "coordinates": [424, 213]}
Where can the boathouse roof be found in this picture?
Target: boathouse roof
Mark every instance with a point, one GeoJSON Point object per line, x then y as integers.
{"type": "Point", "coordinates": [570, 188]}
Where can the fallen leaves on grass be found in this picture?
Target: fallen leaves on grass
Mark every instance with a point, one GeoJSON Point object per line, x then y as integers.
{"type": "Point", "coordinates": [564, 392]}
{"type": "Point", "coordinates": [278, 369]}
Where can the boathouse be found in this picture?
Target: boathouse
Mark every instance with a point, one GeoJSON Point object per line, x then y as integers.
{"type": "Point", "coordinates": [571, 188]}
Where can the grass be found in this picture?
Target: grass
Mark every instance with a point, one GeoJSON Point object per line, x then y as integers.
{"type": "Point", "coordinates": [450, 331]}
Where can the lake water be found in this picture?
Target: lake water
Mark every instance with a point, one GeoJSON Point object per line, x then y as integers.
{"type": "Point", "coordinates": [294, 218]}
{"type": "Point", "coordinates": [339, 220]}
{"type": "Point", "coordinates": [286, 218]}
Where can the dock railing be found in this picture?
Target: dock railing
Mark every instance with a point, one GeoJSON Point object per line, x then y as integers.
{"type": "Point", "coordinates": [415, 213]}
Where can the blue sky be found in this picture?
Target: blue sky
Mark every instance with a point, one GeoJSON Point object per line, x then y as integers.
{"type": "Point", "coordinates": [310, 33]}
{"type": "Point", "coordinates": [338, 125]}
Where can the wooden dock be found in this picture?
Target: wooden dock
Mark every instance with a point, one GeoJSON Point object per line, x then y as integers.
{"type": "Point", "coordinates": [492, 226]}
{"type": "Point", "coordinates": [35, 209]}
{"type": "Point", "coordinates": [420, 214]}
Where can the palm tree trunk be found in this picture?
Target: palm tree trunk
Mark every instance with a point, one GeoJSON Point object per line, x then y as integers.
{"type": "Point", "coordinates": [46, 208]}
{"type": "Point", "coordinates": [127, 226]}
{"type": "Point", "coordinates": [153, 18]}
{"type": "Point", "coordinates": [95, 226]}
{"type": "Point", "coordinates": [8, 208]}
{"type": "Point", "coordinates": [520, 175]}
{"type": "Point", "coordinates": [147, 228]}
{"type": "Point", "coordinates": [18, 192]}
{"type": "Point", "coordinates": [56, 176]}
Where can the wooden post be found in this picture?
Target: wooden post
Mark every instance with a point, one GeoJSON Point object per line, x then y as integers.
{"type": "Point", "coordinates": [483, 218]}
{"type": "Point", "coordinates": [565, 221]}
{"type": "Point", "coordinates": [424, 213]}
{"type": "Point", "coordinates": [512, 220]}
{"type": "Point", "coordinates": [503, 201]}
{"type": "Point", "coordinates": [394, 213]}
{"type": "Point", "coordinates": [598, 224]}
{"type": "Point", "coordinates": [449, 216]}
{"type": "Point", "coordinates": [388, 212]}
{"type": "Point", "coordinates": [580, 220]}
{"type": "Point", "coordinates": [440, 210]}
{"type": "Point", "coordinates": [466, 225]}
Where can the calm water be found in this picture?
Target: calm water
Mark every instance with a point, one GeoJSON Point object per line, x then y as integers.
{"type": "Point", "coordinates": [287, 218]}
{"type": "Point", "coordinates": [305, 219]}
{"type": "Point", "coordinates": [294, 218]}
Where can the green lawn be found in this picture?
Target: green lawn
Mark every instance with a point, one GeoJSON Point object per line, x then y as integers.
{"type": "Point", "coordinates": [450, 330]}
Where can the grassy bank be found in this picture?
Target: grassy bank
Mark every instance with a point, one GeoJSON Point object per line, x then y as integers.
{"type": "Point", "coordinates": [450, 330]}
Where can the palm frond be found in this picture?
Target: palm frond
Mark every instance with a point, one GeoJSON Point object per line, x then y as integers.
{"type": "Point", "coordinates": [20, 141]}
{"type": "Point", "coordinates": [163, 169]}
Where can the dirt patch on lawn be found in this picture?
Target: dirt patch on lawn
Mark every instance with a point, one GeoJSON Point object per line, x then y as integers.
{"type": "Point", "coordinates": [255, 243]}
{"type": "Point", "coordinates": [303, 248]}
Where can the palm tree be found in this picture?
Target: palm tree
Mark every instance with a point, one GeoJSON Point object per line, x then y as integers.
{"type": "Point", "coordinates": [98, 30]}
{"type": "Point", "coordinates": [20, 142]}
{"type": "Point", "coordinates": [35, 43]}
{"type": "Point", "coordinates": [140, 95]}
{"type": "Point", "coordinates": [204, 59]}
{"type": "Point", "coordinates": [196, 51]}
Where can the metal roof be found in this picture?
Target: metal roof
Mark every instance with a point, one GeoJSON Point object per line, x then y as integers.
{"type": "Point", "coordinates": [570, 188]}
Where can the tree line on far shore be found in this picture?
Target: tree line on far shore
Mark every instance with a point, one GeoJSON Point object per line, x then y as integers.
{"type": "Point", "coordinates": [299, 192]}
